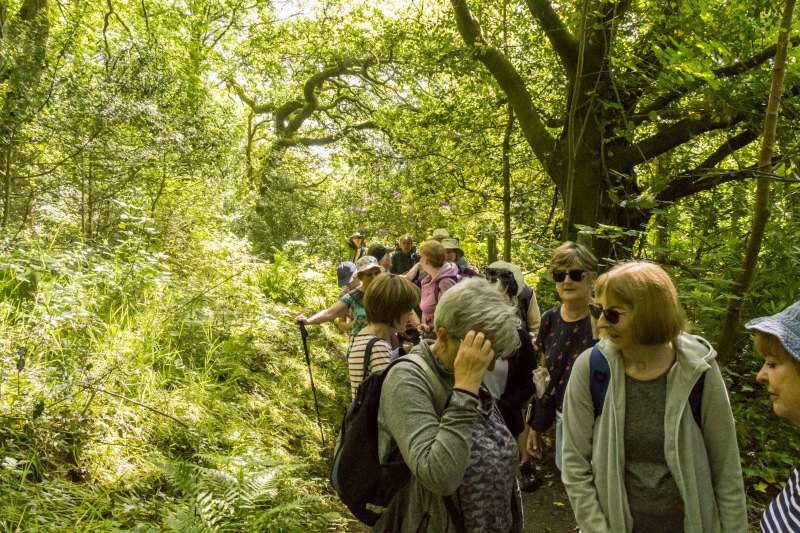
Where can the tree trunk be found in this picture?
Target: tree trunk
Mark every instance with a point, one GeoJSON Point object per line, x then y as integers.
{"type": "Point", "coordinates": [507, 186]}
{"type": "Point", "coordinates": [7, 181]}
{"type": "Point", "coordinates": [761, 206]}
{"type": "Point", "coordinates": [492, 247]}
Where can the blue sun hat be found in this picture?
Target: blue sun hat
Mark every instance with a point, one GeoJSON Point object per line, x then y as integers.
{"type": "Point", "coordinates": [785, 325]}
{"type": "Point", "coordinates": [345, 272]}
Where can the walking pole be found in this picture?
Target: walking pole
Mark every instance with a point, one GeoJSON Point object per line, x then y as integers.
{"type": "Point", "coordinates": [304, 334]}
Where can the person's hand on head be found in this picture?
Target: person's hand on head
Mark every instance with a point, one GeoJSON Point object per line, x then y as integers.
{"type": "Point", "coordinates": [473, 359]}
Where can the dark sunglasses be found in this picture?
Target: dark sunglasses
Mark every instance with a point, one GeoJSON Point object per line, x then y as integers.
{"type": "Point", "coordinates": [494, 273]}
{"type": "Point", "coordinates": [612, 315]}
{"type": "Point", "coordinates": [574, 275]}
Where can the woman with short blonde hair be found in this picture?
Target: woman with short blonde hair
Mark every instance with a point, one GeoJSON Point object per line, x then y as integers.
{"type": "Point", "coordinates": [658, 316]}
{"type": "Point", "coordinates": [657, 451]}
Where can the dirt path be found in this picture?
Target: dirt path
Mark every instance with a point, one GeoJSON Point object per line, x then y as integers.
{"type": "Point", "coordinates": [547, 510]}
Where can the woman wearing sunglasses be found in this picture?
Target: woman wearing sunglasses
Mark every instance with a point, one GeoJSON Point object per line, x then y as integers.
{"type": "Point", "coordinates": [643, 462]}
{"type": "Point", "coordinates": [565, 331]}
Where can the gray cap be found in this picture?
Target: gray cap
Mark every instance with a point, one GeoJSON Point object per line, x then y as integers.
{"type": "Point", "coordinates": [785, 325]}
{"type": "Point", "coordinates": [344, 273]}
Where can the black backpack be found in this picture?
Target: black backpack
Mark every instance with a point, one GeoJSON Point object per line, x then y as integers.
{"type": "Point", "coordinates": [365, 485]}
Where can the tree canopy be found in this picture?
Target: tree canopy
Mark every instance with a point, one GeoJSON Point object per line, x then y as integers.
{"type": "Point", "coordinates": [175, 171]}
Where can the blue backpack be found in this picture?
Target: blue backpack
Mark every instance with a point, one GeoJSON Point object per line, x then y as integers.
{"type": "Point", "coordinates": [601, 374]}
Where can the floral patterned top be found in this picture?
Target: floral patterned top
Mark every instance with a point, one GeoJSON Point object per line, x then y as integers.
{"type": "Point", "coordinates": [562, 342]}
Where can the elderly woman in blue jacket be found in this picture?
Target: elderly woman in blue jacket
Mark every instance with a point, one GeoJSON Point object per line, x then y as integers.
{"type": "Point", "coordinates": [642, 463]}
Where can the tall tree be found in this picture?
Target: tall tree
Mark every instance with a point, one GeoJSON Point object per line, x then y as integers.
{"type": "Point", "coordinates": [761, 208]}
{"type": "Point", "coordinates": [24, 43]}
{"type": "Point", "coordinates": [637, 81]}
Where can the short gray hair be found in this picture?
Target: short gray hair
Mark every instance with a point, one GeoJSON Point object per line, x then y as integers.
{"type": "Point", "coordinates": [473, 304]}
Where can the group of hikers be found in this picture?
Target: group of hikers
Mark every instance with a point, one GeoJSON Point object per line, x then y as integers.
{"type": "Point", "coordinates": [644, 434]}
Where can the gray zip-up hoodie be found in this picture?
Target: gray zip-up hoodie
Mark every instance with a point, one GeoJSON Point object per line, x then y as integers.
{"type": "Point", "coordinates": [704, 463]}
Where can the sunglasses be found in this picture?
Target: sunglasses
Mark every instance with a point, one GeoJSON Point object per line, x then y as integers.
{"type": "Point", "coordinates": [612, 315]}
{"type": "Point", "coordinates": [494, 273]}
{"type": "Point", "coordinates": [574, 275]}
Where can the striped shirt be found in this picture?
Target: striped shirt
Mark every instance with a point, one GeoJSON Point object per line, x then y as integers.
{"type": "Point", "coordinates": [783, 514]}
{"type": "Point", "coordinates": [380, 359]}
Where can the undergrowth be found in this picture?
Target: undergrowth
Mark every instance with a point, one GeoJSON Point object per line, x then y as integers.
{"type": "Point", "coordinates": [151, 390]}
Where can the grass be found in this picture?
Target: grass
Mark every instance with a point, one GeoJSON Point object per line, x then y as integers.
{"type": "Point", "coordinates": [213, 346]}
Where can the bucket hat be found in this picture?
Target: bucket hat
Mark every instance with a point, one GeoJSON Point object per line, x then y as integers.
{"type": "Point", "coordinates": [452, 244]}
{"type": "Point", "coordinates": [367, 263]}
{"type": "Point", "coordinates": [344, 273]}
{"type": "Point", "coordinates": [784, 325]}
{"type": "Point", "coordinates": [440, 234]}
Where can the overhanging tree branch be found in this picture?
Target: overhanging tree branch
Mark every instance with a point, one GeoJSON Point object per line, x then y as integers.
{"type": "Point", "coordinates": [541, 142]}
{"type": "Point", "coordinates": [729, 71]}
{"type": "Point", "coordinates": [330, 139]}
{"type": "Point", "coordinates": [562, 41]}
{"type": "Point", "coordinates": [670, 138]}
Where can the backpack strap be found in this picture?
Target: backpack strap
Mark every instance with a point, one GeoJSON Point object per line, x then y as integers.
{"type": "Point", "coordinates": [436, 290]}
{"type": "Point", "coordinates": [439, 394]}
{"type": "Point", "coordinates": [600, 375]}
{"type": "Point", "coordinates": [368, 355]}
{"type": "Point", "coordinates": [696, 398]}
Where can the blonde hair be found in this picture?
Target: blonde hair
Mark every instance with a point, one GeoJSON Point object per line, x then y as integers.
{"type": "Point", "coordinates": [658, 316]}
{"type": "Point", "coordinates": [388, 297]}
{"type": "Point", "coordinates": [572, 253]}
{"type": "Point", "coordinates": [768, 344]}
{"type": "Point", "coordinates": [434, 251]}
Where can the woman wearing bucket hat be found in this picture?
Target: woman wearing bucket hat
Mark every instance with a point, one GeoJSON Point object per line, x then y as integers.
{"type": "Point", "coordinates": [777, 340]}
{"type": "Point", "coordinates": [454, 254]}
{"type": "Point", "coordinates": [346, 279]}
{"type": "Point", "coordinates": [354, 246]}
{"type": "Point", "coordinates": [367, 268]}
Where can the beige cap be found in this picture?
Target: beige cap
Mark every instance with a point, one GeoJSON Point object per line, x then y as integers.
{"type": "Point", "coordinates": [440, 234]}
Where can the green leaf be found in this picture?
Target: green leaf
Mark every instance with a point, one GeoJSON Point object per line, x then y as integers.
{"type": "Point", "coordinates": [38, 409]}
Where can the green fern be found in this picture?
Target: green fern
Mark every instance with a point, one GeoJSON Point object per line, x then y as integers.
{"type": "Point", "coordinates": [215, 500]}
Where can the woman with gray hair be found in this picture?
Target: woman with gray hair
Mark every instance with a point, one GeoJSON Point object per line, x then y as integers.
{"type": "Point", "coordinates": [463, 459]}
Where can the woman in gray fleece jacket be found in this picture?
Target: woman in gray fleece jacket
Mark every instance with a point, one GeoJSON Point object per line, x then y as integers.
{"type": "Point", "coordinates": [457, 447]}
{"type": "Point", "coordinates": [644, 464]}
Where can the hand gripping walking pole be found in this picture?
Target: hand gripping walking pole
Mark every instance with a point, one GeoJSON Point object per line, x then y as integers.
{"type": "Point", "coordinates": [304, 335]}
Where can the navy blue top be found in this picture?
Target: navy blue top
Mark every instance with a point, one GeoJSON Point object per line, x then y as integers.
{"type": "Point", "coordinates": [783, 514]}
{"type": "Point", "coordinates": [562, 342]}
